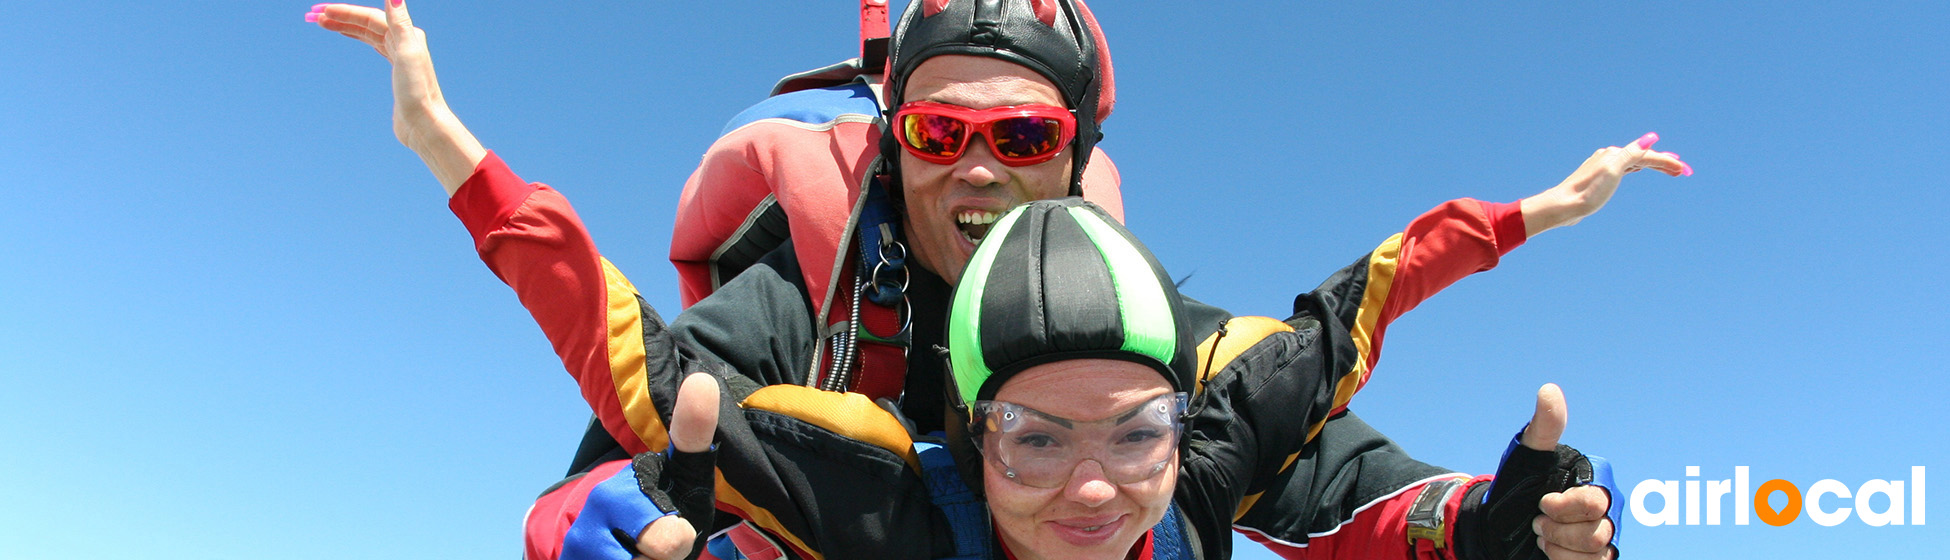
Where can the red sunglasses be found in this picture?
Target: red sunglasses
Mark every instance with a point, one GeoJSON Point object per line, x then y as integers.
{"type": "Point", "coordinates": [1018, 135]}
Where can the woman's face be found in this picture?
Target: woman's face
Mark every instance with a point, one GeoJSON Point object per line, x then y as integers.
{"type": "Point", "coordinates": [1088, 516]}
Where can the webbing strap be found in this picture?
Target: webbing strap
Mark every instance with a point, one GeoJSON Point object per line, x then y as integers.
{"type": "Point", "coordinates": [883, 257]}
{"type": "Point", "coordinates": [1168, 540]}
{"type": "Point", "coordinates": [967, 515]}
{"type": "Point", "coordinates": [881, 337]}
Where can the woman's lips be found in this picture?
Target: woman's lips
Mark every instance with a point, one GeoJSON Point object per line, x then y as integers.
{"type": "Point", "coordinates": [1077, 531]}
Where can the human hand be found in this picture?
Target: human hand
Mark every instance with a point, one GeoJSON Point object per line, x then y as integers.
{"type": "Point", "coordinates": [692, 425]}
{"type": "Point", "coordinates": [1573, 525]}
{"type": "Point", "coordinates": [1539, 505]}
{"type": "Point", "coordinates": [421, 118]}
{"type": "Point", "coordinates": [1593, 183]}
{"type": "Point", "coordinates": [650, 506]}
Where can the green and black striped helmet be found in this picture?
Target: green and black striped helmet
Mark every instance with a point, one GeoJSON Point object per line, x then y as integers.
{"type": "Point", "coordinates": [1061, 280]}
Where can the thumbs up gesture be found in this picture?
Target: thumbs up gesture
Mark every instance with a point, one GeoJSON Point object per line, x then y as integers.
{"type": "Point", "coordinates": [682, 481]}
{"type": "Point", "coordinates": [1548, 500]}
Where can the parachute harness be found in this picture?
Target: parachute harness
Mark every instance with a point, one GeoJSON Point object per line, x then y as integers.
{"type": "Point", "coordinates": [885, 256]}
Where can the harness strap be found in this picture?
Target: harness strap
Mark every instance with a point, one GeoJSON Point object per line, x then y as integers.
{"type": "Point", "coordinates": [967, 514]}
{"type": "Point", "coordinates": [883, 360]}
{"type": "Point", "coordinates": [1168, 539]}
{"type": "Point", "coordinates": [871, 359]}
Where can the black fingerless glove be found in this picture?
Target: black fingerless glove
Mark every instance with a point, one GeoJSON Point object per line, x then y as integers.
{"type": "Point", "coordinates": [1499, 528]}
{"type": "Point", "coordinates": [683, 483]}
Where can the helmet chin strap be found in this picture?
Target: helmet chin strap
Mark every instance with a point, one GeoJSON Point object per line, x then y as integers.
{"type": "Point", "coordinates": [1082, 157]}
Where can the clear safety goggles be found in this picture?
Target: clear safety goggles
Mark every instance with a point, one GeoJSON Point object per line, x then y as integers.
{"type": "Point", "coordinates": [1041, 450]}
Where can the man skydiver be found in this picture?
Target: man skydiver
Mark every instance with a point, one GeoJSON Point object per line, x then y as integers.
{"type": "Point", "coordinates": [977, 185]}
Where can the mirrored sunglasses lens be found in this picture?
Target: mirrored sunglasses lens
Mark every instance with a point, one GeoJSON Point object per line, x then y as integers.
{"type": "Point", "coordinates": [1025, 137]}
{"type": "Point", "coordinates": [933, 134]}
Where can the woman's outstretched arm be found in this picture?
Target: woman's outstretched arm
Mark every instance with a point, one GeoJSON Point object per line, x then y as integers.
{"type": "Point", "coordinates": [421, 118]}
{"type": "Point", "coordinates": [1592, 185]}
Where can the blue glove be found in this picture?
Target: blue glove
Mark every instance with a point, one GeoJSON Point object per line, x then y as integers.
{"type": "Point", "coordinates": [1601, 477]}
{"type": "Point", "coordinates": [611, 517]}
{"type": "Point", "coordinates": [621, 506]}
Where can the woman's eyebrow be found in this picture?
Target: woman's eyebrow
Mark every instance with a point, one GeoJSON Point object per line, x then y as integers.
{"type": "Point", "coordinates": [1126, 416]}
{"type": "Point", "coordinates": [1060, 421]}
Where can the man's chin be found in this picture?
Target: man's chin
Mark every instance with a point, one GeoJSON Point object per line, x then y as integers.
{"type": "Point", "coordinates": [956, 264]}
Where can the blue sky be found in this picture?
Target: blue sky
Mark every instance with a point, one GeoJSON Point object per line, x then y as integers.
{"type": "Point", "coordinates": [237, 320]}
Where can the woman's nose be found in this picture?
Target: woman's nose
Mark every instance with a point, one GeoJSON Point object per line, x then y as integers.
{"type": "Point", "coordinates": [1089, 486]}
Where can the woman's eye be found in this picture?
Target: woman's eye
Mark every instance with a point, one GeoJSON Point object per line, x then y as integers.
{"type": "Point", "coordinates": [1141, 436]}
{"type": "Point", "coordinates": [1036, 440]}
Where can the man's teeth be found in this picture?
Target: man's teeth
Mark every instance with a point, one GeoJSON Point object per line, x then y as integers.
{"type": "Point", "coordinates": [974, 224]}
{"type": "Point", "coordinates": [976, 217]}
{"type": "Point", "coordinates": [1092, 529]}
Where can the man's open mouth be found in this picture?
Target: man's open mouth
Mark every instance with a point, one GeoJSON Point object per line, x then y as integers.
{"type": "Point", "coordinates": [975, 224]}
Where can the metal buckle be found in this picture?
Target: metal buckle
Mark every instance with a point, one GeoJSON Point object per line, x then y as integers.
{"type": "Point", "coordinates": [1426, 522]}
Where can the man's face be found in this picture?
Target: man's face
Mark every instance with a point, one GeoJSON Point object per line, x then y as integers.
{"type": "Point", "coordinates": [1089, 516]}
{"type": "Point", "coordinates": [949, 207]}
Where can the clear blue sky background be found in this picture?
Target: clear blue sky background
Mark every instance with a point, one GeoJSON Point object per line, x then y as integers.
{"type": "Point", "coordinates": [237, 320]}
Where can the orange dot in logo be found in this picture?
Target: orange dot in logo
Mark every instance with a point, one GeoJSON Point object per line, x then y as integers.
{"type": "Point", "coordinates": [1783, 516]}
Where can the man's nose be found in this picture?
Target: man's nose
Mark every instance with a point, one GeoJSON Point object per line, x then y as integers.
{"type": "Point", "coordinates": [978, 165]}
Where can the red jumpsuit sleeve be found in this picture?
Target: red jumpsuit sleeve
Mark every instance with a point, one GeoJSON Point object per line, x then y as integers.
{"type": "Point", "coordinates": [1377, 530]}
{"type": "Point", "coordinates": [531, 238]}
{"type": "Point", "coordinates": [548, 521]}
{"type": "Point", "coordinates": [1456, 239]}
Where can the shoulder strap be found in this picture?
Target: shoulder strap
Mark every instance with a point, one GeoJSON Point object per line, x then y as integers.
{"type": "Point", "coordinates": [1169, 539]}
{"type": "Point", "coordinates": [880, 328]}
{"type": "Point", "coordinates": [968, 516]}
{"type": "Point", "coordinates": [868, 352]}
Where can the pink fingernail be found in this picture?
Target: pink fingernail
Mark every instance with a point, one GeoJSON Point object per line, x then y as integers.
{"type": "Point", "coordinates": [1646, 142]}
{"type": "Point", "coordinates": [1685, 170]}
{"type": "Point", "coordinates": [396, 3]}
{"type": "Point", "coordinates": [319, 7]}
{"type": "Point", "coordinates": [311, 17]}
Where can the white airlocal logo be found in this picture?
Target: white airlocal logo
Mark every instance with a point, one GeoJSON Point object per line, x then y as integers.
{"type": "Point", "coordinates": [1812, 502]}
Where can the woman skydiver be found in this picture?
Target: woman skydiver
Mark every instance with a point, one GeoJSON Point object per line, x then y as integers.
{"type": "Point", "coordinates": [1086, 425]}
